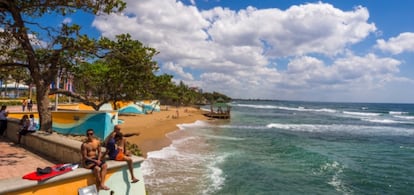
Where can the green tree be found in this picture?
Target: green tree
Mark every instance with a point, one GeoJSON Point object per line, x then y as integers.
{"type": "Point", "coordinates": [19, 75]}
{"type": "Point", "coordinates": [164, 89]}
{"type": "Point", "coordinates": [125, 72]}
{"type": "Point", "coordinates": [212, 97]}
{"type": "Point", "coordinates": [4, 77]}
{"type": "Point", "coordinates": [45, 50]}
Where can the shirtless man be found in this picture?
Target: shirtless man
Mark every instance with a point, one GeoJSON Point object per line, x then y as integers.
{"type": "Point", "coordinates": [91, 159]}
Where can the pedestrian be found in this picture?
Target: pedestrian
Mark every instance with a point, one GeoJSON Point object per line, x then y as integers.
{"type": "Point", "coordinates": [29, 105]}
{"type": "Point", "coordinates": [3, 119]}
{"type": "Point", "coordinates": [24, 104]}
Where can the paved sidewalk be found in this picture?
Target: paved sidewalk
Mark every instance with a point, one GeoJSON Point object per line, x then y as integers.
{"type": "Point", "coordinates": [19, 108]}
{"type": "Point", "coordinates": [16, 161]}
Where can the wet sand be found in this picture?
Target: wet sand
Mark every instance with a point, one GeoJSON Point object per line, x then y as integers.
{"type": "Point", "coordinates": [154, 127]}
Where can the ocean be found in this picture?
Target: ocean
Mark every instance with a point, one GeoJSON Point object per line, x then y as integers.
{"type": "Point", "coordinates": [288, 147]}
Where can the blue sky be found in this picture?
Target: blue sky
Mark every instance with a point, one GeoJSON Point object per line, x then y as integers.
{"type": "Point", "coordinates": [337, 50]}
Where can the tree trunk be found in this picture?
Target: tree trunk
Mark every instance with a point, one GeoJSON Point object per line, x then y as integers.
{"type": "Point", "coordinates": [45, 115]}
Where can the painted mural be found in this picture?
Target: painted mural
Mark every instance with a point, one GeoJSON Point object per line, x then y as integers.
{"type": "Point", "coordinates": [124, 107]}
{"type": "Point", "coordinates": [77, 122]}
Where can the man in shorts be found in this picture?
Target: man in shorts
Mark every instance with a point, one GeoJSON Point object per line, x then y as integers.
{"type": "Point", "coordinates": [91, 159]}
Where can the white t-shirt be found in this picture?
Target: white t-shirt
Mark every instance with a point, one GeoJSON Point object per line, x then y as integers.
{"type": "Point", "coordinates": [3, 115]}
{"type": "Point", "coordinates": [32, 126]}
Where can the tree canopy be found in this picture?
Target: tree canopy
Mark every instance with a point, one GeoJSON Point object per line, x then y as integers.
{"type": "Point", "coordinates": [46, 50]}
{"type": "Point", "coordinates": [124, 71]}
{"type": "Point", "coordinates": [101, 70]}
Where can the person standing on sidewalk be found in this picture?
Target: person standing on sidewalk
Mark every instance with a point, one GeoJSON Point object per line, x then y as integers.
{"type": "Point", "coordinates": [24, 104]}
{"type": "Point", "coordinates": [3, 119]}
{"type": "Point", "coordinates": [29, 105]}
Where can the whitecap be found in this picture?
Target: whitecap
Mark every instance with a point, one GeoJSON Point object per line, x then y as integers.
{"type": "Point", "coordinates": [216, 177]}
{"type": "Point", "coordinates": [397, 113]}
{"type": "Point", "coordinates": [299, 108]}
{"type": "Point", "coordinates": [361, 113]}
{"type": "Point", "coordinates": [197, 123]}
{"type": "Point", "coordinates": [405, 117]}
{"type": "Point", "coordinates": [336, 180]}
{"type": "Point", "coordinates": [351, 129]}
{"type": "Point", "coordinates": [241, 127]}
{"type": "Point", "coordinates": [164, 153]}
{"type": "Point", "coordinates": [222, 137]}
{"type": "Point", "coordinates": [385, 121]}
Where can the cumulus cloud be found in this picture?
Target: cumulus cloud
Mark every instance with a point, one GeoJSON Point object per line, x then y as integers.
{"type": "Point", "coordinates": [310, 72]}
{"type": "Point", "coordinates": [170, 67]}
{"type": "Point", "coordinates": [302, 29]}
{"type": "Point", "coordinates": [67, 20]}
{"type": "Point", "coordinates": [258, 53]}
{"type": "Point", "coordinates": [396, 45]}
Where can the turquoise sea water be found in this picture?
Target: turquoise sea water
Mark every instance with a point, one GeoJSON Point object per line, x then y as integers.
{"type": "Point", "coordinates": [284, 147]}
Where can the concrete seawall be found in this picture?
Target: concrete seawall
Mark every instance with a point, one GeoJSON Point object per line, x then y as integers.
{"type": "Point", "coordinates": [66, 150]}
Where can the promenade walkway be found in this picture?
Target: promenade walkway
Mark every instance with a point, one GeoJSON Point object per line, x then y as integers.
{"type": "Point", "coordinates": [15, 160]}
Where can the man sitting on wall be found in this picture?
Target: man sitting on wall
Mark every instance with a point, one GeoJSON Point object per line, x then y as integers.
{"type": "Point", "coordinates": [91, 159]}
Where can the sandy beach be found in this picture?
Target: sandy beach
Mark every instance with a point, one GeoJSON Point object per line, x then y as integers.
{"type": "Point", "coordinates": [153, 127]}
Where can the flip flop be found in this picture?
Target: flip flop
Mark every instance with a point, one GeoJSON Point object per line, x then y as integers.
{"type": "Point", "coordinates": [104, 188]}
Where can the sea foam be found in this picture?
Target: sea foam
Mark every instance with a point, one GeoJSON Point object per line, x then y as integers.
{"type": "Point", "coordinates": [299, 108]}
{"type": "Point", "coordinates": [341, 128]}
{"type": "Point", "coordinates": [361, 113]}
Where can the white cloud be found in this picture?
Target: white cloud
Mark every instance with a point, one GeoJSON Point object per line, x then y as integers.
{"type": "Point", "coordinates": [318, 28]}
{"type": "Point", "coordinates": [396, 45]}
{"type": "Point", "coordinates": [302, 52]}
{"type": "Point", "coordinates": [367, 71]}
{"type": "Point", "coordinates": [170, 67]}
{"type": "Point", "coordinates": [67, 20]}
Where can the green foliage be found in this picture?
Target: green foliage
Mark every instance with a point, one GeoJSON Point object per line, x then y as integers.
{"type": "Point", "coordinates": [211, 97]}
{"type": "Point", "coordinates": [133, 148]}
{"type": "Point", "coordinates": [11, 102]}
{"type": "Point", "coordinates": [124, 71]}
{"type": "Point", "coordinates": [46, 51]}
{"type": "Point", "coordinates": [104, 70]}
{"type": "Point", "coordinates": [182, 94]}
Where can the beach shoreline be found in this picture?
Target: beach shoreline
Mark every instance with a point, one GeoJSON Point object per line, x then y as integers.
{"type": "Point", "coordinates": [154, 127]}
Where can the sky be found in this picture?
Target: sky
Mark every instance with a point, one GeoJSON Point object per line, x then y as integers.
{"type": "Point", "coordinates": [333, 50]}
